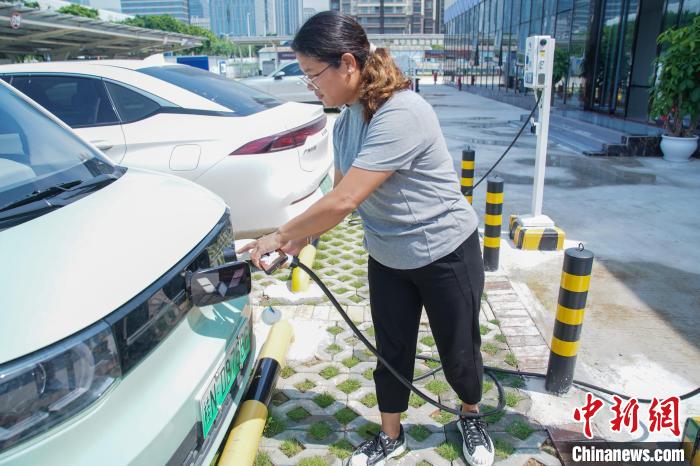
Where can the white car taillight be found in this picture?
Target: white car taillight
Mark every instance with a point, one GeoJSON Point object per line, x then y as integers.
{"type": "Point", "coordinates": [282, 141]}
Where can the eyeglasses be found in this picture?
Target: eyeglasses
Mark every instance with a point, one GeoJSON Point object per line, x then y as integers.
{"type": "Point", "coordinates": [311, 80]}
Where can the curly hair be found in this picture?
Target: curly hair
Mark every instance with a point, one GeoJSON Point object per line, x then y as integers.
{"type": "Point", "coordinates": [326, 36]}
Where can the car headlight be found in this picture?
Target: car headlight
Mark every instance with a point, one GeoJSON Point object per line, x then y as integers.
{"type": "Point", "coordinates": [47, 387]}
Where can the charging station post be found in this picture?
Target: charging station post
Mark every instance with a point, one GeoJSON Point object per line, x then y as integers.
{"type": "Point", "coordinates": [538, 230]}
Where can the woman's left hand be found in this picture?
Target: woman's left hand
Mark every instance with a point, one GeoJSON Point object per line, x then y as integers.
{"type": "Point", "coordinates": [261, 246]}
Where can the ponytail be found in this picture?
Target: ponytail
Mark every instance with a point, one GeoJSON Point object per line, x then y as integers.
{"type": "Point", "coordinates": [380, 78]}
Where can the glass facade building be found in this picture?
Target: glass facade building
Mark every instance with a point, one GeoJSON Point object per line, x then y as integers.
{"type": "Point", "coordinates": [604, 48]}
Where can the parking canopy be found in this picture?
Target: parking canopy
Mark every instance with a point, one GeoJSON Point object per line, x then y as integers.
{"type": "Point", "coordinates": [30, 31]}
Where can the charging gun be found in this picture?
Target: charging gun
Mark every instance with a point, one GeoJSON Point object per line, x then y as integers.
{"type": "Point", "coordinates": [272, 261]}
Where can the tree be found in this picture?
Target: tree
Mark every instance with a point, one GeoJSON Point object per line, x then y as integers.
{"type": "Point", "coordinates": [212, 45]}
{"type": "Point", "coordinates": [79, 10]}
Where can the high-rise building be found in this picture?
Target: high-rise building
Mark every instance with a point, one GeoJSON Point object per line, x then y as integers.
{"type": "Point", "coordinates": [288, 15]}
{"type": "Point", "coordinates": [199, 13]}
{"type": "Point", "coordinates": [178, 9]}
{"type": "Point", "coordinates": [233, 17]}
{"type": "Point", "coordinates": [400, 17]}
{"type": "Point", "coordinates": [265, 20]}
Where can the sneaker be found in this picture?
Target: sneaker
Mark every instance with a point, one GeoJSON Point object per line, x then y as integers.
{"type": "Point", "coordinates": [476, 444]}
{"type": "Point", "coordinates": [377, 451]}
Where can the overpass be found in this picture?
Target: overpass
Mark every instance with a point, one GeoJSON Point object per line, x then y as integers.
{"type": "Point", "coordinates": [377, 39]}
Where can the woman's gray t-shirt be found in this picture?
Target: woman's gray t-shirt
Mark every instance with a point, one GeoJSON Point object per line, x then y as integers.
{"type": "Point", "coordinates": [418, 215]}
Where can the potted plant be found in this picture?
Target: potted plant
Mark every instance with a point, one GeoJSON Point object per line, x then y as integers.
{"type": "Point", "coordinates": [675, 97]}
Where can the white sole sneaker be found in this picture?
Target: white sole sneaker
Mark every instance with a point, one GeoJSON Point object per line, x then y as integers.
{"type": "Point", "coordinates": [391, 455]}
{"type": "Point", "coordinates": [488, 460]}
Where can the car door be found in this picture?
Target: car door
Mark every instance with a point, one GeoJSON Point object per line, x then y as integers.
{"type": "Point", "coordinates": [291, 87]}
{"type": "Point", "coordinates": [82, 103]}
{"type": "Point", "coordinates": [158, 136]}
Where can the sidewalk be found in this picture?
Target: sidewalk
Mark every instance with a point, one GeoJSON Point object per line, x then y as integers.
{"type": "Point", "coordinates": [640, 333]}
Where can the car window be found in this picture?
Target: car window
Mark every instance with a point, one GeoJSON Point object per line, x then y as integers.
{"type": "Point", "coordinates": [78, 101]}
{"type": "Point", "coordinates": [131, 105]}
{"type": "Point", "coordinates": [37, 153]}
{"type": "Point", "coordinates": [237, 97]}
{"type": "Point", "coordinates": [6, 78]}
{"type": "Point", "coordinates": [292, 69]}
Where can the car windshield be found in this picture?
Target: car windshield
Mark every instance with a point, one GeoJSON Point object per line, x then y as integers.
{"type": "Point", "coordinates": [38, 155]}
{"type": "Point", "coordinates": [239, 98]}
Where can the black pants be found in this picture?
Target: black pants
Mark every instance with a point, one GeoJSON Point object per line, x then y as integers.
{"type": "Point", "coordinates": [450, 289]}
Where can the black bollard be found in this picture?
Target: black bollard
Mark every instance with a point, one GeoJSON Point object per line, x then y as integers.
{"type": "Point", "coordinates": [573, 291]}
{"type": "Point", "coordinates": [492, 223]}
{"type": "Point", "coordinates": [467, 180]}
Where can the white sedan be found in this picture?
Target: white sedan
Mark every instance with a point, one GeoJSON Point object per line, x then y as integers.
{"type": "Point", "coordinates": [266, 158]}
{"type": "Point", "coordinates": [284, 83]}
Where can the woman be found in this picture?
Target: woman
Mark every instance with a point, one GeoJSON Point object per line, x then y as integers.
{"type": "Point", "coordinates": [392, 166]}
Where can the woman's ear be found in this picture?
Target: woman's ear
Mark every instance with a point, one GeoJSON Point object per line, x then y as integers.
{"type": "Point", "coordinates": [349, 63]}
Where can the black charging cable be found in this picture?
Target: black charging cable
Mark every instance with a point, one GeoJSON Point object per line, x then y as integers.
{"type": "Point", "coordinates": [490, 371]}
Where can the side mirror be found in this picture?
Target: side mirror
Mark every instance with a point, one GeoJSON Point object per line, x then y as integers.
{"type": "Point", "coordinates": [280, 74]}
{"type": "Point", "coordinates": [217, 284]}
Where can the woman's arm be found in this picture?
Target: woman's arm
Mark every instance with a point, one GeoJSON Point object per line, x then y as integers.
{"type": "Point", "coordinates": [327, 212]}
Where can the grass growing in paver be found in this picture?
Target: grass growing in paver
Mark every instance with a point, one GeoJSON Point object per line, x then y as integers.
{"type": "Point", "coordinates": [314, 461]}
{"type": "Point", "coordinates": [278, 398]}
{"type": "Point", "coordinates": [304, 386]}
{"type": "Point", "coordinates": [437, 387]}
{"type": "Point", "coordinates": [359, 273]}
{"type": "Point", "coordinates": [358, 284]}
{"type": "Point", "coordinates": [273, 426]}
{"type": "Point", "coordinates": [443, 417]}
{"type": "Point", "coordinates": [341, 449]}
{"type": "Point", "coordinates": [417, 373]}
{"type": "Point", "coordinates": [369, 400]}
{"type": "Point", "coordinates": [487, 387]}
{"type": "Point", "coordinates": [329, 372]}
{"type": "Point", "coordinates": [263, 459]}
{"type": "Point", "coordinates": [291, 447]}
{"type": "Point", "coordinates": [500, 338]}
{"type": "Point", "coordinates": [324, 400]}
{"type": "Point", "coordinates": [512, 399]}
{"type": "Point", "coordinates": [369, 430]}
{"type": "Point", "coordinates": [489, 348]}
{"type": "Point", "coordinates": [351, 362]}
{"type": "Point", "coordinates": [419, 433]}
{"type": "Point", "coordinates": [345, 278]}
{"type": "Point", "coordinates": [356, 299]}
{"type": "Point", "coordinates": [287, 372]}
{"type": "Point", "coordinates": [431, 364]}
{"type": "Point", "coordinates": [495, 321]}
{"type": "Point", "coordinates": [511, 360]}
{"type": "Point", "coordinates": [483, 329]}
{"type": "Point", "coordinates": [333, 261]}
{"type": "Point", "coordinates": [448, 450]}
{"type": "Point", "coordinates": [345, 415]}
{"type": "Point", "coordinates": [360, 261]}
{"type": "Point", "coordinates": [503, 448]}
{"type": "Point", "coordinates": [298, 414]}
{"type": "Point", "coordinates": [520, 429]}
{"type": "Point", "coordinates": [334, 348]}
{"type": "Point", "coordinates": [340, 290]}
{"type": "Point", "coordinates": [370, 331]}
{"type": "Point", "coordinates": [414, 401]}
{"type": "Point", "coordinates": [334, 330]}
{"type": "Point", "coordinates": [349, 386]}
{"type": "Point", "coordinates": [320, 430]}
{"type": "Point", "coordinates": [424, 463]}
{"type": "Point", "coordinates": [428, 340]}
{"type": "Point", "coordinates": [368, 373]}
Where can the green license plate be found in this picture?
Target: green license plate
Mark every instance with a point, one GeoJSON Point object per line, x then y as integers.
{"type": "Point", "coordinates": [228, 373]}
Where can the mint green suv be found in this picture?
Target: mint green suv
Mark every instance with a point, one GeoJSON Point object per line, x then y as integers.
{"type": "Point", "coordinates": [125, 332]}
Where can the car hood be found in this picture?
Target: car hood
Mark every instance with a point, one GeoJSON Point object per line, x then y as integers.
{"type": "Point", "coordinates": [67, 269]}
{"type": "Point", "coordinates": [256, 79]}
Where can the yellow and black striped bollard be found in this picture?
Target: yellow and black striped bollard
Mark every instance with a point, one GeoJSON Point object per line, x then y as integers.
{"type": "Point", "coordinates": [467, 173]}
{"type": "Point", "coordinates": [573, 291]}
{"type": "Point", "coordinates": [492, 223]}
